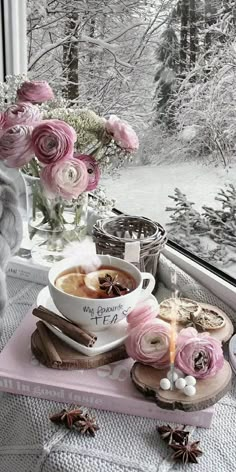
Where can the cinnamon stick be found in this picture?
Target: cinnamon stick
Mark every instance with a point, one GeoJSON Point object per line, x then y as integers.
{"type": "Point", "coordinates": [47, 344]}
{"type": "Point", "coordinates": [67, 327]}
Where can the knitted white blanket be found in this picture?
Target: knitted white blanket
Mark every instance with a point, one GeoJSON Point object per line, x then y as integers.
{"type": "Point", "coordinates": [10, 233]}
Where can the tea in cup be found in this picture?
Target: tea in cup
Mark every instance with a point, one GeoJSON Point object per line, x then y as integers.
{"type": "Point", "coordinates": [97, 299]}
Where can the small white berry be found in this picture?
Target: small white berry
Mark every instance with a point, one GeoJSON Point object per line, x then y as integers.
{"type": "Point", "coordinates": [165, 384]}
{"type": "Point", "coordinates": [180, 383]}
{"type": "Point", "coordinates": [175, 375]}
{"type": "Point", "coordinates": [190, 380]}
{"type": "Point", "coordinates": [189, 390]}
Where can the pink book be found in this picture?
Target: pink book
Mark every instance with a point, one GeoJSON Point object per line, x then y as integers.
{"type": "Point", "coordinates": [107, 388]}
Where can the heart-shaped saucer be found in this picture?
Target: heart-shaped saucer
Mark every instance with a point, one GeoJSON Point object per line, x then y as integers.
{"type": "Point", "coordinates": [107, 339]}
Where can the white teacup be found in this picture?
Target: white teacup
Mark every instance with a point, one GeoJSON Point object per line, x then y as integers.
{"type": "Point", "coordinates": [97, 314]}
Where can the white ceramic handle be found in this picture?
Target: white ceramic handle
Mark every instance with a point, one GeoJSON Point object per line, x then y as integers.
{"type": "Point", "coordinates": [145, 292]}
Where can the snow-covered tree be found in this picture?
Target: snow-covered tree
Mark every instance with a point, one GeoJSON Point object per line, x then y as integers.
{"type": "Point", "coordinates": [168, 66]}
{"type": "Point", "coordinates": [210, 233]}
{"type": "Point", "coordinates": [205, 109]}
{"type": "Point", "coordinates": [99, 53]}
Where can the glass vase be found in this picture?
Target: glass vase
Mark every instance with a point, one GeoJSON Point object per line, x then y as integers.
{"type": "Point", "coordinates": [53, 223]}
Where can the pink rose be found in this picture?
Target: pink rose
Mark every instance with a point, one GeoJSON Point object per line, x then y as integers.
{"type": "Point", "coordinates": [16, 146]}
{"type": "Point", "coordinates": [198, 354]}
{"type": "Point", "coordinates": [92, 169]}
{"type": "Point", "coordinates": [149, 342]}
{"type": "Point", "coordinates": [21, 114]}
{"type": "Point", "coordinates": [67, 179]}
{"type": "Point", "coordinates": [143, 312]}
{"type": "Point", "coordinates": [122, 133]}
{"type": "Point", "coordinates": [53, 140]}
{"type": "Point", "coordinates": [35, 92]}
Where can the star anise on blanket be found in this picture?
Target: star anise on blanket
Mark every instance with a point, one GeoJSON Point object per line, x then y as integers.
{"type": "Point", "coordinates": [172, 435]}
{"type": "Point", "coordinates": [67, 417]}
{"type": "Point", "coordinates": [87, 425]}
{"type": "Point", "coordinates": [111, 285]}
{"type": "Point", "coordinates": [186, 452]}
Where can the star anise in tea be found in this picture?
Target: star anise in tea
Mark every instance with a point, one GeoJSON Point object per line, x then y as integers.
{"type": "Point", "coordinates": [186, 452]}
{"type": "Point", "coordinates": [172, 435]}
{"type": "Point", "coordinates": [111, 285]}
{"type": "Point", "coordinates": [87, 425]}
{"type": "Point", "coordinates": [67, 417]}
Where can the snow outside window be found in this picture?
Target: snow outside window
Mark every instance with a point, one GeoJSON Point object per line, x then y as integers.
{"type": "Point", "coordinates": [169, 69]}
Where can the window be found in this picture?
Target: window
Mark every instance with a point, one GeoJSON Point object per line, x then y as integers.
{"type": "Point", "coordinates": [2, 56]}
{"type": "Point", "coordinates": [169, 69]}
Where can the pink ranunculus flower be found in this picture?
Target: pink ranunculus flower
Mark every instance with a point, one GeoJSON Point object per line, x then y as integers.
{"type": "Point", "coordinates": [53, 141]}
{"type": "Point", "coordinates": [149, 343]}
{"type": "Point", "coordinates": [35, 92]}
{"type": "Point", "coordinates": [16, 146]}
{"type": "Point", "coordinates": [67, 179]}
{"type": "Point", "coordinates": [21, 114]}
{"type": "Point", "coordinates": [92, 169]}
{"type": "Point", "coordinates": [2, 122]}
{"type": "Point", "coordinates": [144, 311]}
{"type": "Point", "coordinates": [198, 354]}
{"type": "Point", "coordinates": [122, 133]}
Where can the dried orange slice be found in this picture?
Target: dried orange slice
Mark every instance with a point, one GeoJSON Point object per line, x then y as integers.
{"type": "Point", "coordinates": [182, 308]}
{"type": "Point", "coordinates": [70, 283]}
{"type": "Point", "coordinates": [210, 319]}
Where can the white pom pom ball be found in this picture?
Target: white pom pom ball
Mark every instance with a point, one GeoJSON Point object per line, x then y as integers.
{"type": "Point", "coordinates": [175, 375]}
{"type": "Point", "coordinates": [180, 384]}
{"type": "Point", "coordinates": [190, 380]}
{"type": "Point", "coordinates": [165, 384]}
{"type": "Point", "coordinates": [189, 390]}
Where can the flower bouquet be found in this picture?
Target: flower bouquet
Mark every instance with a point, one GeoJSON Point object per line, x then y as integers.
{"type": "Point", "coordinates": [61, 152]}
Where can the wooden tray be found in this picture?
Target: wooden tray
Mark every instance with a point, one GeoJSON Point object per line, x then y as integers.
{"type": "Point", "coordinates": [209, 391]}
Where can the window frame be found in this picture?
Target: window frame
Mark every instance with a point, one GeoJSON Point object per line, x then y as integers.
{"type": "Point", "coordinates": [2, 45]}
{"type": "Point", "coordinates": [13, 60]}
{"type": "Point", "coordinates": [13, 37]}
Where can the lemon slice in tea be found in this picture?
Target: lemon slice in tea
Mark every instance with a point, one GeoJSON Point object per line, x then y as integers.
{"type": "Point", "coordinates": [70, 283]}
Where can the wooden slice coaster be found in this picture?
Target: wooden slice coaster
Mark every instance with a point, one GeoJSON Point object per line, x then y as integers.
{"type": "Point", "coordinates": [62, 356]}
{"type": "Point", "coordinates": [208, 392]}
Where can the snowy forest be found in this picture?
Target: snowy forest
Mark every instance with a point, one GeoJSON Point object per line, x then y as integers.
{"type": "Point", "coordinates": [168, 68]}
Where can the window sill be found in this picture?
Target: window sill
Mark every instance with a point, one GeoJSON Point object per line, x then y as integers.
{"type": "Point", "coordinates": [216, 284]}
